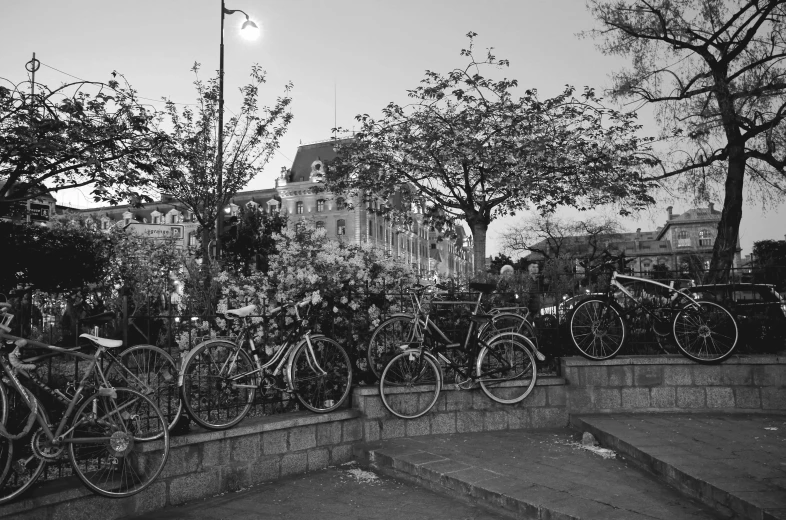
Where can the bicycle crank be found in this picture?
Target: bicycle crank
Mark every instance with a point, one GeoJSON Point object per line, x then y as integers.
{"type": "Point", "coordinates": [43, 448]}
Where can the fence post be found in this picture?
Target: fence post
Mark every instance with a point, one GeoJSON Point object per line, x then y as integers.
{"type": "Point", "coordinates": [124, 324]}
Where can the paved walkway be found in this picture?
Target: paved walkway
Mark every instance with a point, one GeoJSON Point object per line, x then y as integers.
{"type": "Point", "coordinates": [716, 466]}
{"type": "Point", "coordinates": [345, 492]}
{"type": "Point", "coordinates": [734, 462]}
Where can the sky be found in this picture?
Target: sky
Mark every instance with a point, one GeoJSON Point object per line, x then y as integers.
{"type": "Point", "coordinates": [344, 57]}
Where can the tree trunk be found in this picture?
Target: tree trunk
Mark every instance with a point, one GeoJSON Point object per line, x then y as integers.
{"type": "Point", "coordinates": [729, 226]}
{"type": "Point", "coordinates": [479, 230]}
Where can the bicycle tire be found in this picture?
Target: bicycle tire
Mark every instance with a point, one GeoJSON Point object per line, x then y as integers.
{"type": "Point", "coordinates": [597, 329]}
{"type": "Point", "coordinates": [413, 371]}
{"type": "Point", "coordinates": [122, 460]}
{"type": "Point", "coordinates": [386, 341]}
{"type": "Point", "coordinates": [6, 445]}
{"type": "Point", "coordinates": [152, 371]}
{"type": "Point", "coordinates": [506, 369]}
{"type": "Point", "coordinates": [21, 467]}
{"type": "Point", "coordinates": [508, 322]}
{"type": "Point", "coordinates": [321, 393]}
{"type": "Point", "coordinates": [706, 332]}
{"type": "Point", "coordinates": [211, 399]}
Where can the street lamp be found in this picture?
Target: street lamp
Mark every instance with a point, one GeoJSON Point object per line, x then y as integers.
{"type": "Point", "coordinates": [247, 28]}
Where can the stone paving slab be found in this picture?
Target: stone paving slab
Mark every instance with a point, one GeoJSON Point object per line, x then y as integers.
{"type": "Point", "coordinates": [542, 474]}
{"type": "Point", "coordinates": [735, 463]}
{"type": "Point", "coordinates": [343, 492]}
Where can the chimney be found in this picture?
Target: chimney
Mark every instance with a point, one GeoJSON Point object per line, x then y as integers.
{"type": "Point", "coordinates": [668, 210]}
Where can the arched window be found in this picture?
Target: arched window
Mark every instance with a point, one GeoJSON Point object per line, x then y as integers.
{"type": "Point", "coordinates": [341, 227]}
{"type": "Point", "coordinates": [705, 238]}
{"type": "Point", "coordinates": [299, 207]}
{"type": "Point", "coordinates": [321, 205]}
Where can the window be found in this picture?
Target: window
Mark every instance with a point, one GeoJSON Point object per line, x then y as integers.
{"type": "Point", "coordinates": [299, 207]}
{"type": "Point", "coordinates": [370, 228]}
{"type": "Point", "coordinates": [682, 239]}
{"type": "Point", "coordinates": [341, 227]}
{"type": "Point", "coordinates": [320, 224]}
{"type": "Point", "coordinates": [341, 204]}
{"type": "Point", "coordinates": [433, 246]}
{"type": "Point", "coordinates": [156, 219]}
{"type": "Point", "coordinates": [705, 239]}
{"type": "Point", "coordinates": [192, 240]}
{"type": "Point", "coordinates": [321, 205]}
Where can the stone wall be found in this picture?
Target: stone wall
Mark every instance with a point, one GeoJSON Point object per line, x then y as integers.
{"type": "Point", "coordinates": [205, 464]}
{"type": "Point", "coordinates": [458, 411]}
{"type": "Point", "coordinates": [675, 383]}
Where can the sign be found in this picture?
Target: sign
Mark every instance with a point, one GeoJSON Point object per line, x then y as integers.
{"type": "Point", "coordinates": [157, 231]}
{"type": "Point", "coordinates": [39, 212]}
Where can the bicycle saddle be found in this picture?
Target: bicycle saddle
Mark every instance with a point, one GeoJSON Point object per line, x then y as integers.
{"type": "Point", "coordinates": [242, 312]}
{"type": "Point", "coordinates": [104, 342]}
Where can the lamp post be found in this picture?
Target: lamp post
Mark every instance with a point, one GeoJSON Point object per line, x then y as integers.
{"type": "Point", "coordinates": [247, 25]}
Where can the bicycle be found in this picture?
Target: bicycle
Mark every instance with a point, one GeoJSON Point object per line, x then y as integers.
{"type": "Point", "coordinates": [399, 328]}
{"type": "Point", "coordinates": [504, 366]}
{"type": "Point", "coordinates": [116, 439]}
{"type": "Point", "coordinates": [219, 377]}
{"type": "Point", "coordinates": [702, 330]}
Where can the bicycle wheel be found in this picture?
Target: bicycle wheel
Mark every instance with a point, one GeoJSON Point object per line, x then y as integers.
{"type": "Point", "coordinates": [321, 383]}
{"type": "Point", "coordinates": [110, 443]}
{"type": "Point", "coordinates": [386, 341]}
{"type": "Point", "coordinates": [705, 332]}
{"type": "Point", "coordinates": [507, 371]}
{"type": "Point", "coordinates": [508, 322]}
{"type": "Point", "coordinates": [218, 386]}
{"type": "Point", "coordinates": [21, 466]}
{"type": "Point", "coordinates": [153, 372]}
{"type": "Point", "coordinates": [410, 383]}
{"type": "Point", "coordinates": [597, 329]}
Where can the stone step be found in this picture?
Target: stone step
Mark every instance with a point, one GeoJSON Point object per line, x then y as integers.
{"type": "Point", "coordinates": [731, 462]}
{"type": "Point", "coordinates": [541, 474]}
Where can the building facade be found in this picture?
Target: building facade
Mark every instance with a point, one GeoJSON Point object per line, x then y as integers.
{"type": "Point", "coordinates": [684, 239]}
{"type": "Point", "coordinates": [354, 220]}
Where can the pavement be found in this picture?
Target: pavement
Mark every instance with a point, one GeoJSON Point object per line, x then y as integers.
{"type": "Point", "coordinates": [647, 466]}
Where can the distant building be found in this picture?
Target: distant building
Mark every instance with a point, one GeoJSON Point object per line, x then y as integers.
{"type": "Point", "coordinates": [689, 234]}
{"type": "Point", "coordinates": [356, 220]}
{"type": "Point", "coordinates": [32, 211]}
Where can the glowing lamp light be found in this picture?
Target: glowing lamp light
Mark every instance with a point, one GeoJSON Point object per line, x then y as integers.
{"type": "Point", "coordinates": [249, 30]}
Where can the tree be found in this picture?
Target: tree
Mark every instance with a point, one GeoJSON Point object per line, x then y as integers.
{"type": "Point", "coordinates": [553, 237]}
{"type": "Point", "coordinates": [253, 241]}
{"type": "Point", "coordinates": [769, 262]}
{"type": "Point", "coordinates": [189, 158]}
{"type": "Point", "coordinates": [84, 133]}
{"type": "Point", "coordinates": [714, 69]}
{"type": "Point", "coordinates": [51, 260]}
{"type": "Point", "coordinates": [470, 150]}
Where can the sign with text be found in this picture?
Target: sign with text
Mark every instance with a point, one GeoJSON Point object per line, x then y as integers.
{"type": "Point", "coordinates": [158, 231]}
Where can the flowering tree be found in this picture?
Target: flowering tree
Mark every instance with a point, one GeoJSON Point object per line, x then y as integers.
{"type": "Point", "coordinates": [473, 151]}
{"type": "Point", "coordinates": [85, 133]}
{"type": "Point", "coordinates": [714, 70]}
{"type": "Point", "coordinates": [188, 161]}
{"type": "Point", "coordinates": [347, 284]}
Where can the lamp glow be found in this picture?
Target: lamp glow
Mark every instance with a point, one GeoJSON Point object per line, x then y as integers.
{"type": "Point", "coordinates": [249, 30]}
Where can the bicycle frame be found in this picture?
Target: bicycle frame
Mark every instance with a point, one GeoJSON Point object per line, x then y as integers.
{"type": "Point", "coordinates": [281, 357]}
{"type": "Point", "coordinates": [674, 293]}
{"type": "Point", "coordinates": [58, 436]}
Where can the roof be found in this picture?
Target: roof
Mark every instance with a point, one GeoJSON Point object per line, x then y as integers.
{"type": "Point", "coordinates": [307, 154]}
